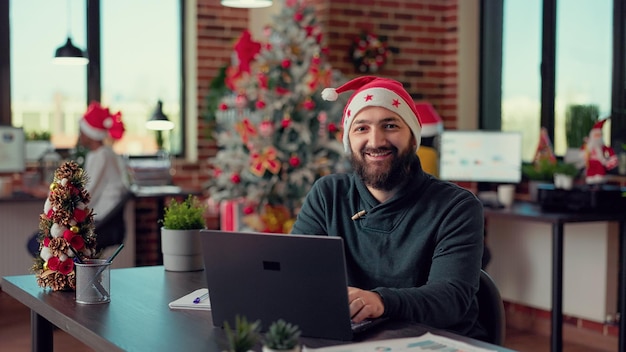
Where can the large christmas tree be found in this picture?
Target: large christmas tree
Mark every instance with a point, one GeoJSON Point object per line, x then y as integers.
{"type": "Point", "coordinates": [275, 133]}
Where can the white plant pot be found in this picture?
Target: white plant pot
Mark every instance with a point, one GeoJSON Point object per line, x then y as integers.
{"type": "Point", "coordinates": [181, 250]}
{"type": "Point", "coordinates": [563, 181]}
{"type": "Point", "coordinates": [295, 349]}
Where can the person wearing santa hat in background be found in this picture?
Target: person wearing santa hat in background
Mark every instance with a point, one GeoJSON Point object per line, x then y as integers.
{"type": "Point", "coordinates": [432, 126]}
{"type": "Point", "coordinates": [598, 157]}
{"type": "Point", "coordinates": [413, 243]}
{"type": "Point", "coordinates": [108, 181]}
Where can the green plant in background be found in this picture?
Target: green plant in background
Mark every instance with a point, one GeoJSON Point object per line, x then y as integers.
{"type": "Point", "coordinates": [579, 119]}
{"type": "Point", "coordinates": [38, 136]}
{"type": "Point", "coordinates": [542, 170]}
{"type": "Point", "coordinates": [282, 336]}
{"type": "Point", "coordinates": [184, 215]}
{"type": "Point", "coordinates": [564, 168]}
{"type": "Point", "coordinates": [245, 335]}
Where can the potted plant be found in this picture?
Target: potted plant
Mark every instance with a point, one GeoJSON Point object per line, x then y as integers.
{"type": "Point", "coordinates": [180, 234]}
{"type": "Point", "coordinates": [537, 173]}
{"type": "Point", "coordinates": [245, 335]}
{"type": "Point", "coordinates": [37, 144]}
{"type": "Point", "coordinates": [282, 336]}
{"type": "Point", "coordinates": [579, 119]}
{"type": "Point", "coordinates": [564, 175]}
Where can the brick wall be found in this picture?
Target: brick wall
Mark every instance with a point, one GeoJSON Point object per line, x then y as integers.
{"type": "Point", "coordinates": [423, 31]}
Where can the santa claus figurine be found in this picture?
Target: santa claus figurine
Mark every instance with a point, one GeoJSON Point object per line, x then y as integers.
{"type": "Point", "coordinates": [598, 157]}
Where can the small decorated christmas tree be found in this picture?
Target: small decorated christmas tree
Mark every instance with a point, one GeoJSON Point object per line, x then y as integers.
{"type": "Point", "coordinates": [66, 229]}
{"type": "Point", "coordinates": [275, 133]}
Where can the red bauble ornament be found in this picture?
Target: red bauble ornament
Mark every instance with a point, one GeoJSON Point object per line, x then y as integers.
{"type": "Point", "coordinates": [294, 161]}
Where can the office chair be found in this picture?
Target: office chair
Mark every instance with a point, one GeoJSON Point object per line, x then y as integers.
{"type": "Point", "coordinates": [491, 309]}
{"type": "Point", "coordinates": [111, 229]}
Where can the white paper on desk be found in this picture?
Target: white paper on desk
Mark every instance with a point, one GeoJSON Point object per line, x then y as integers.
{"type": "Point", "coordinates": [186, 301]}
{"type": "Point", "coordinates": [426, 342]}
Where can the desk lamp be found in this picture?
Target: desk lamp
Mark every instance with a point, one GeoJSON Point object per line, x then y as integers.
{"type": "Point", "coordinates": [159, 122]}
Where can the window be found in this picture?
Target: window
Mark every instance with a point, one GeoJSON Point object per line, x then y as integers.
{"type": "Point", "coordinates": [577, 36]}
{"type": "Point", "coordinates": [44, 96]}
{"type": "Point", "coordinates": [140, 63]}
{"type": "Point", "coordinates": [521, 80]}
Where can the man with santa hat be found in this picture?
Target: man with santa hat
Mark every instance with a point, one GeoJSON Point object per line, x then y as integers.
{"type": "Point", "coordinates": [413, 242]}
{"type": "Point", "coordinates": [598, 157]}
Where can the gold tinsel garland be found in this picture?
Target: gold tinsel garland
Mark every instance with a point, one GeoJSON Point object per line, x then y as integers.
{"type": "Point", "coordinates": [66, 229]}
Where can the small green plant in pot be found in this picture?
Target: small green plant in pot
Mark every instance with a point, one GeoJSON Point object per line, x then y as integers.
{"type": "Point", "coordinates": [244, 336]}
{"type": "Point", "coordinates": [564, 175]}
{"type": "Point", "coordinates": [184, 215]}
{"type": "Point", "coordinates": [180, 234]}
{"type": "Point", "coordinates": [282, 336]}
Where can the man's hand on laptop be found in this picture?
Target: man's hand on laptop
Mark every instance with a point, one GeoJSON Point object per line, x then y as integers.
{"type": "Point", "coordinates": [364, 304]}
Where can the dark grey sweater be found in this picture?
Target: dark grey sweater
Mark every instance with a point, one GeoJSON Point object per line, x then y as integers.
{"type": "Point", "coordinates": [421, 250]}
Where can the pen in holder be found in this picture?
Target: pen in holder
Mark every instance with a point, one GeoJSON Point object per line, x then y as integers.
{"type": "Point", "coordinates": [93, 284]}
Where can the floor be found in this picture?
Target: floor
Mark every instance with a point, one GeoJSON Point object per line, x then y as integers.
{"type": "Point", "coordinates": [15, 334]}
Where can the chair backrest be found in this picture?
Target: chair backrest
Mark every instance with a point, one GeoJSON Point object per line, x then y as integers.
{"type": "Point", "coordinates": [491, 309]}
{"type": "Point", "coordinates": [111, 229]}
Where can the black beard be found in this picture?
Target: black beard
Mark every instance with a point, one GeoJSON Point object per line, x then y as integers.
{"type": "Point", "coordinates": [398, 169]}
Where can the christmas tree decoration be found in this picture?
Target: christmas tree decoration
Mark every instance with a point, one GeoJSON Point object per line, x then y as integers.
{"type": "Point", "coordinates": [275, 132]}
{"type": "Point", "coordinates": [66, 229]}
{"type": "Point", "coordinates": [544, 151]}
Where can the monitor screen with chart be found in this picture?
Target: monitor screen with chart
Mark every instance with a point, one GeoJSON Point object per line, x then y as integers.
{"type": "Point", "coordinates": [481, 156]}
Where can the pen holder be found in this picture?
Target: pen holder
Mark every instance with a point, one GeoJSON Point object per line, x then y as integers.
{"type": "Point", "coordinates": [93, 285]}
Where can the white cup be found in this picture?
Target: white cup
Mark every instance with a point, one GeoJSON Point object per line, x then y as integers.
{"type": "Point", "coordinates": [506, 195]}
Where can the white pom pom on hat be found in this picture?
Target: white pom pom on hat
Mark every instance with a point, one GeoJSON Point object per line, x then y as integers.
{"type": "Point", "coordinates": [330, 94]}
{"type": "Point", "coordinates": [375, 91]}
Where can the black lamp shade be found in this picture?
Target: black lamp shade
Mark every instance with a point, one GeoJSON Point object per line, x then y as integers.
{"type": "Point", "coordinates": [69, 54]}
{"type": "Point", "coordinates": [158, 121]}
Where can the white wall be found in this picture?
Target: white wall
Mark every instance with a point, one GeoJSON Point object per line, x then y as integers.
{"type": "Point", "coordinates": [522, 265]}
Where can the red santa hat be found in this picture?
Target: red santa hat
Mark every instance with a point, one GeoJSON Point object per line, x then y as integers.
{"type": "Point", "coordinates": [375, 91]}
{"type": "Point", "coordinates": [98, 122]}
{"type": "Point", "coordinates": [432, 125]}
{"type": "Point", "coordinates": [598, 125]}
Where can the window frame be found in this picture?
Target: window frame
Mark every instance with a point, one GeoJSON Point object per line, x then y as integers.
{"type": "Point", "coordinates": [492, 14]}
{"type": "Point", "coordinates": [93, 83]}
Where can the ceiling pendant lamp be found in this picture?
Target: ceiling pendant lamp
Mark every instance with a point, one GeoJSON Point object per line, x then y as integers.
{"type": "Point", "coordinates": [247, 4]}
{"type": "Point", "coordinates": [159, 121]}
{"type": "Point", "coordinates": [69, 54]}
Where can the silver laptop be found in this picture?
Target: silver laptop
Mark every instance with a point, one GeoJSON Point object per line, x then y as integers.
{"type": "Point", "coordinates": [301, 279]}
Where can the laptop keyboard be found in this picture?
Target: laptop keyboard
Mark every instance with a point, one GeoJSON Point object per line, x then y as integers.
{"type": "Point", "coordinates": [360, 326]}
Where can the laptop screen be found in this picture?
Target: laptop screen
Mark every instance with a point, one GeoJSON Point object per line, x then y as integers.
{"type": "Point", "coordinates": [301, 279]}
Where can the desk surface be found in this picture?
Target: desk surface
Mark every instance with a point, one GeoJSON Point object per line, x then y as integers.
{"type": "Point", "coordinates": [528, 210]}
{"type": "Point", "coordinates": [138, 317]}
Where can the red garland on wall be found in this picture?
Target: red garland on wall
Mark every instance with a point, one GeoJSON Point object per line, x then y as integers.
{"type": "Point", "coordinates": [369, 52]}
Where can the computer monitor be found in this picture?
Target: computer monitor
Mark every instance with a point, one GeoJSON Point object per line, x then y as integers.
{"type": "Point", "coordinates": [12, 149]}
{"type": "Point", "coordinates": [481, 156]}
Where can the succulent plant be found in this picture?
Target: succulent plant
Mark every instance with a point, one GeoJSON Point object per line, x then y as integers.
{"type": "Point", "coordinates": [245, 335]}
{"type": "Point", "coordinates": [282, 335]}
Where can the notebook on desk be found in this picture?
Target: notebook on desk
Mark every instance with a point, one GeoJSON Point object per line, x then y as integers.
{"type": "Point", "coordinates": [301, 279]}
